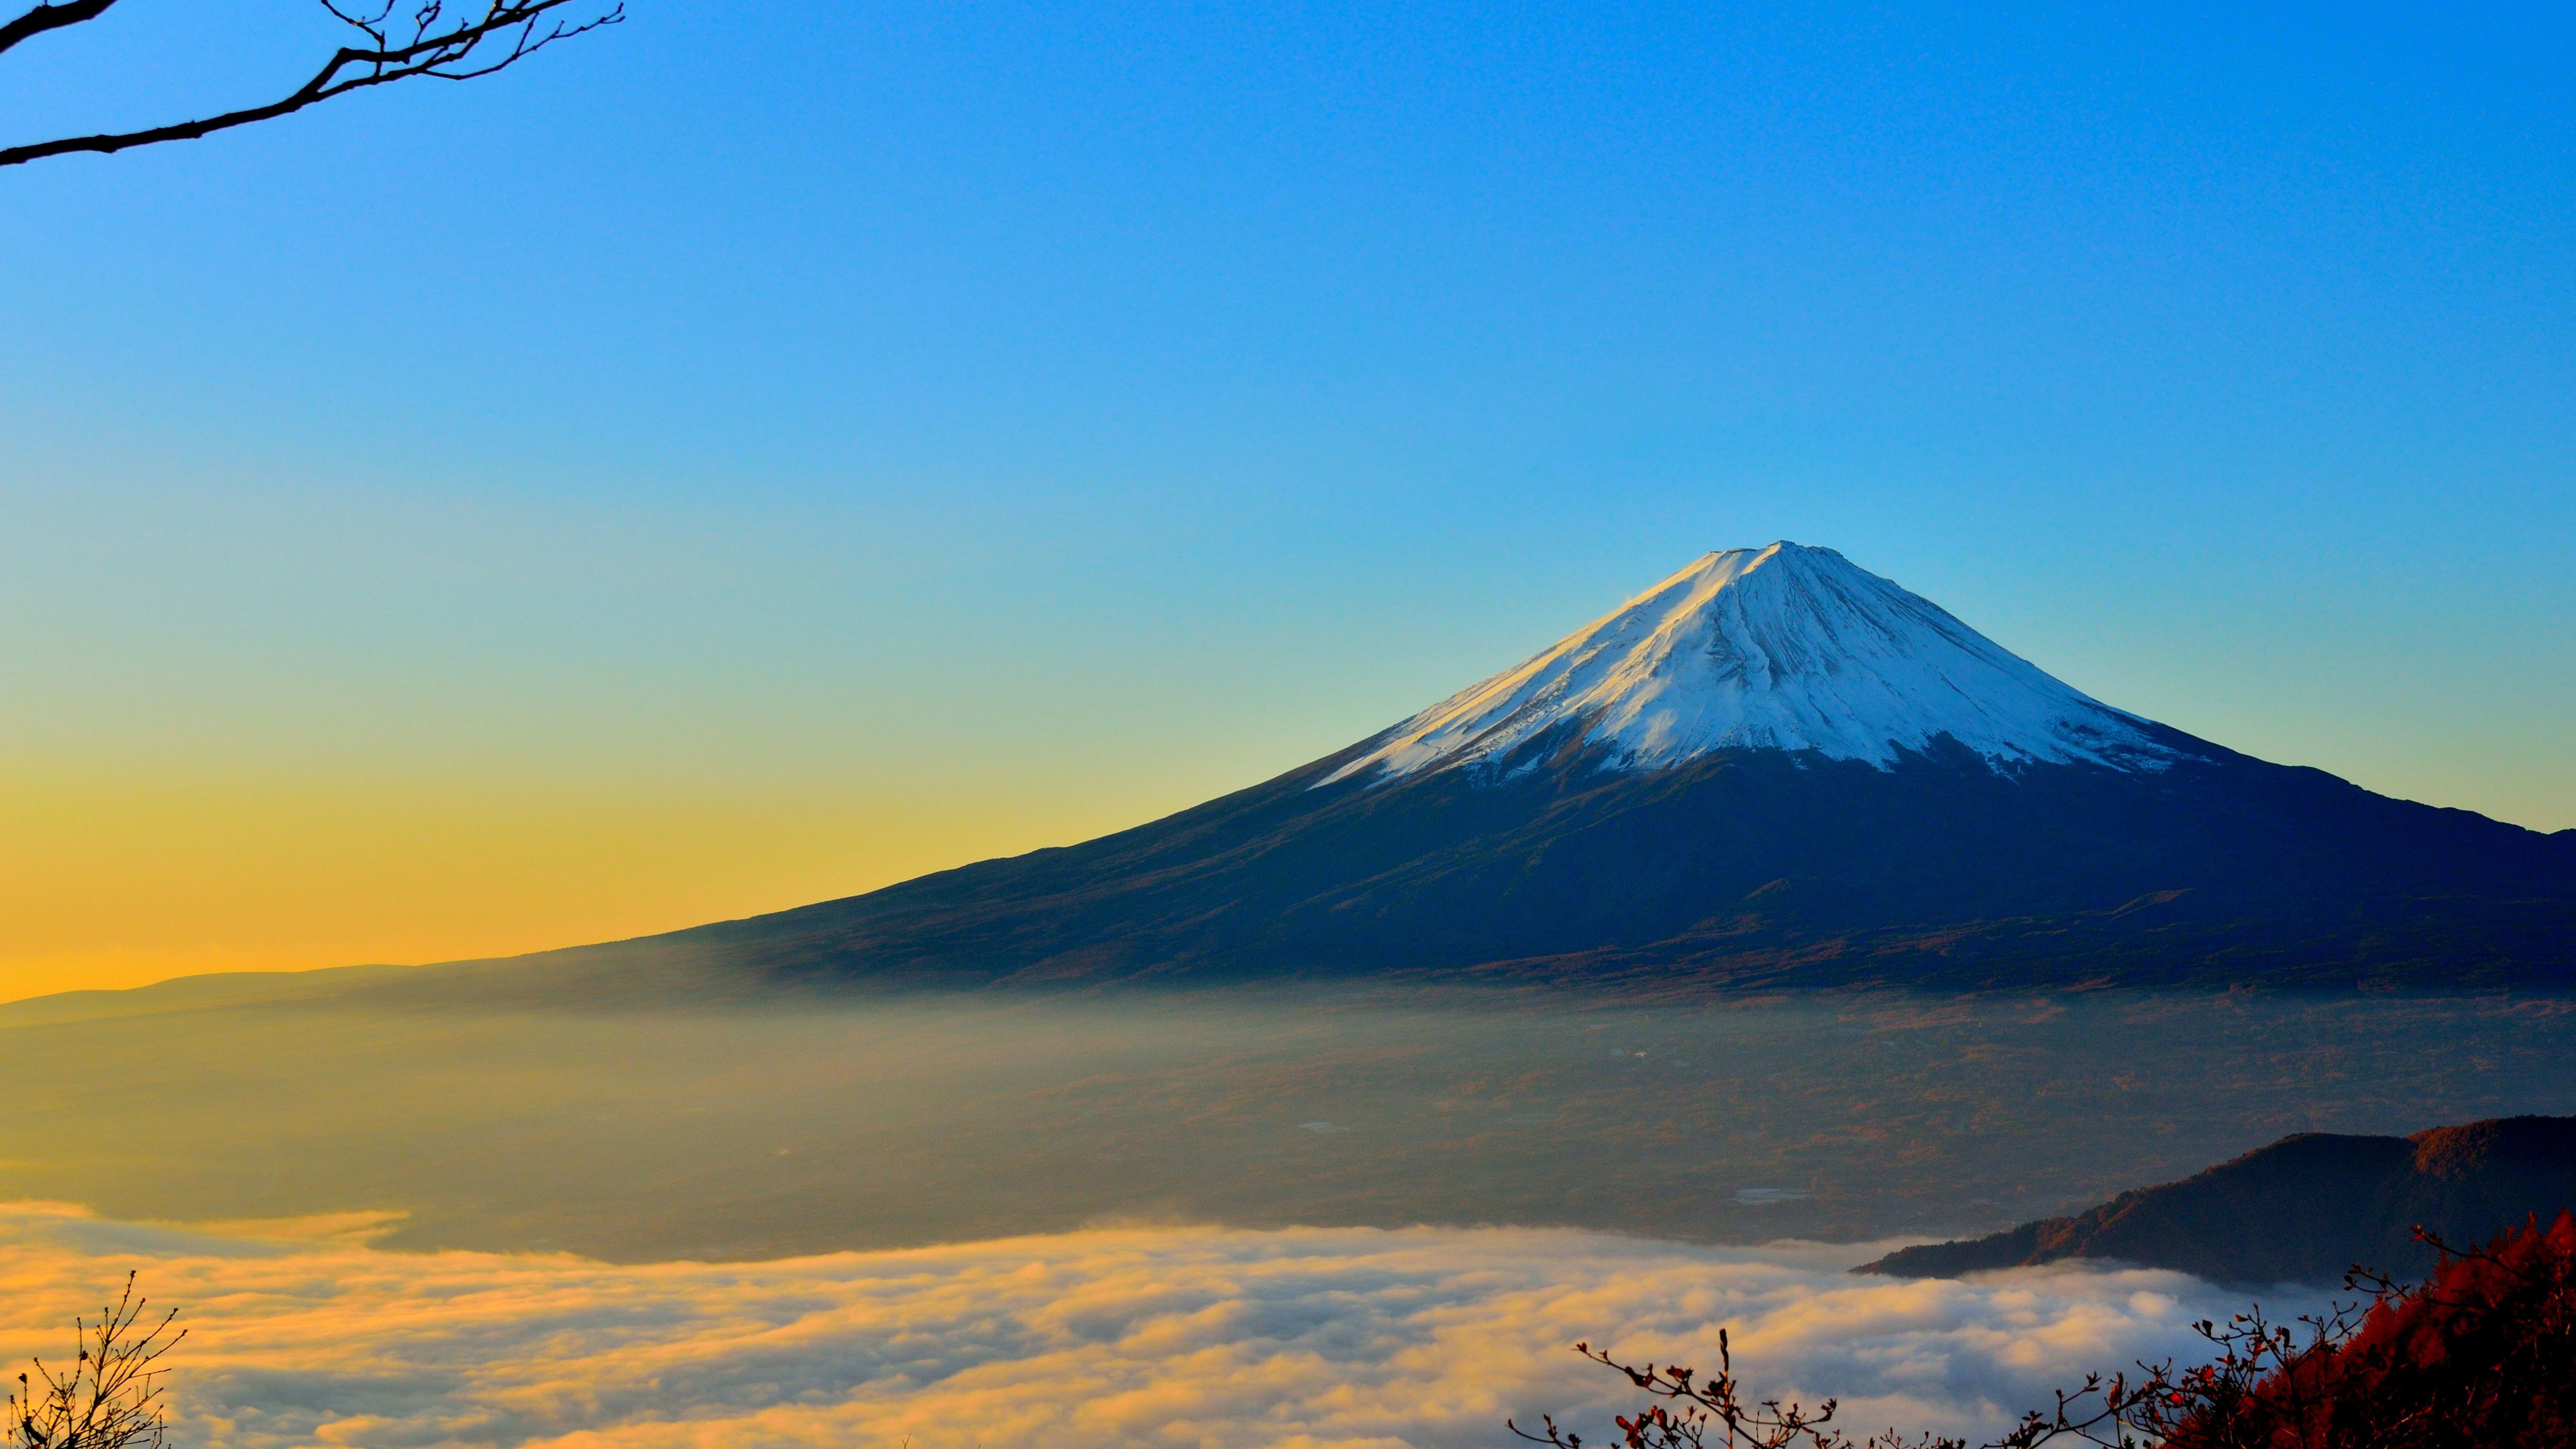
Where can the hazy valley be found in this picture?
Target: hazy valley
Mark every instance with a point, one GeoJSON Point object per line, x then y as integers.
{"type": "Point", "coordinates": [715, 1128]}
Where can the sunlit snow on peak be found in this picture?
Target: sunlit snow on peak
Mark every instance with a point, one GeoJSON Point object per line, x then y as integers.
{"type": "Point", "coordinates": [1785, 647]}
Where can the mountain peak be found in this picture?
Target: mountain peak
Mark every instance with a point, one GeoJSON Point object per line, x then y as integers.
{"type": "Point", "coordinates": [1784, 647]}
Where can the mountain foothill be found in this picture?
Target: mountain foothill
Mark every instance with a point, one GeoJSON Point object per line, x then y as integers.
{"type": "Point", "coordinates": [2306, 1208]}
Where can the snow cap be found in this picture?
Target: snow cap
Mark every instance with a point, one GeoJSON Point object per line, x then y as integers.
{"type": "Point", "coordinates": [1784, 648]}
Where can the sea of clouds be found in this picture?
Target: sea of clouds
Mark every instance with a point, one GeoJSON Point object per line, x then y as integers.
{"type": "Point", "coordinates": [1117, 1336]}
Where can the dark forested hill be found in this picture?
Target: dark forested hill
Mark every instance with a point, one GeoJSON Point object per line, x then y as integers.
{"type": "Point", "coordinates": [2303, 1209]}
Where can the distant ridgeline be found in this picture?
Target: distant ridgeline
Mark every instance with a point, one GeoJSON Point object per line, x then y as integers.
{"type": "Point", "coordinates": [1773, 768]}
{"type": "Point", "coordinates": [2304, 1209]}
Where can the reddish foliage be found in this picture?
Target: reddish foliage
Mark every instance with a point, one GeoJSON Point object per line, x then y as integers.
{"type": "Point", "coordinates": [2483, 1354]}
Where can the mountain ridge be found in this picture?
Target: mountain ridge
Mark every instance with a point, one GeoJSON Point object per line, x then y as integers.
{"type": "Point", "coordinates": [1531, 880]}
{"type": "Point", "coordinates": [1537, 842]}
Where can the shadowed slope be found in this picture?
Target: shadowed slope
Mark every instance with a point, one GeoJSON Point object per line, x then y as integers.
{"type": "Point", "coordinates": [1740, 867]}
{"type": "Point", "coordinates": [2305, 1208]}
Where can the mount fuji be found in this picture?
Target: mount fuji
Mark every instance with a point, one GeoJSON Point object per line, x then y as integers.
{"type": "Point", "coordinates": [1773, 768]}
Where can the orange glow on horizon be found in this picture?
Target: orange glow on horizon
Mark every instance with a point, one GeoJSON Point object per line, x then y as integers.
{"type": "Point", "coordinates": [113, 884]}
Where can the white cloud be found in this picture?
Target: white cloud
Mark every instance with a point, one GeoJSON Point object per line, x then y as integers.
{"type": "Point", "coordinates": [1180, 1337]}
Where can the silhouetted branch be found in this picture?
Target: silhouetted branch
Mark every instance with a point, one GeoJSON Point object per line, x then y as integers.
{"type": "Point", "coordinates": [110, 1397]}
{"type": "Point", "coordinates": [507, 32]}
{"type": "Point", "coordinates": [50, 17]}
{"type": "Point", "coordinates": [1711, 1411]}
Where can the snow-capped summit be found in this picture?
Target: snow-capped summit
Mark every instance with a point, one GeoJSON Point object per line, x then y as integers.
{"type": "Point", "coordinates": [1787, 648]}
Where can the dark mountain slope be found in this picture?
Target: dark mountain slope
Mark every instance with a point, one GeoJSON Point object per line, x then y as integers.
{"type": "Point", "coordinates": [2304, 1209]}
{"type": "Point", "coordinates": [1743, 866]}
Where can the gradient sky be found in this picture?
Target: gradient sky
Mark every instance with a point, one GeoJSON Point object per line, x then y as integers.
{"type": "Point", "coordinates": [764, 451]}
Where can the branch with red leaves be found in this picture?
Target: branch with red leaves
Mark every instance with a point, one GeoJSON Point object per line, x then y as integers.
{"type": "Point", "coordinates": [2483, 1353]}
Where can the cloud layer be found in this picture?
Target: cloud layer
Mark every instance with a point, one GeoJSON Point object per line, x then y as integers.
{"type": "Point", "coordinates": [1150, 1336]}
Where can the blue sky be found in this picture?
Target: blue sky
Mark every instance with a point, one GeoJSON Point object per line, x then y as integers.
{"type": "Point", "coordinates": [977, 426]}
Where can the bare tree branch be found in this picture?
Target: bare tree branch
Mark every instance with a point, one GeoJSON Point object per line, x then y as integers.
{"type": "Point", "coordinates": [50, 17]}
{"type": "Point", "coordinates": [110, 1396]}
{"type": "Point", "coordinates": [508, 31]}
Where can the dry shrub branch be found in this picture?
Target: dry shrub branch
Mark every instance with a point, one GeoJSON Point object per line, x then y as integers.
{"type": "Point", "coordinates": [110, 1396]}
{"type": "Point", "coordinates": [428, 43]}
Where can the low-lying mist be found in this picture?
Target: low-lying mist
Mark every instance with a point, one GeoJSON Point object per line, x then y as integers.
{"type": "Point", "coordinates": [810, 1123]}
{"type": "Point", "coordinates": [1299, 1338]}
